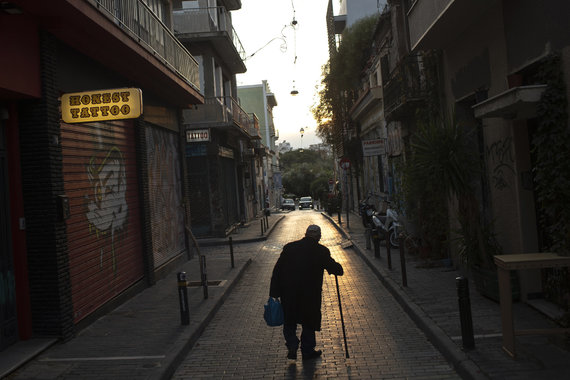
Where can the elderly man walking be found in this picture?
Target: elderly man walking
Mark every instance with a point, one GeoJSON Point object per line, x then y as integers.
{"type": "Point", "coordinates": [298, 279]}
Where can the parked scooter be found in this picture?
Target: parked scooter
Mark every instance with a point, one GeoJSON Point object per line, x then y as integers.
{"type": "Point", "coordinates": [378, 223]}
{"type": "Point", "coordinates": [388, 222]}
{"type": "Point", "coordinates": [366, 211]}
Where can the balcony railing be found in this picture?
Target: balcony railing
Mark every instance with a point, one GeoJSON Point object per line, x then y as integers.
{"type": "Point", "coordinates": [254, 126]}
{"type": "Point", "coordinates": [407, 83]}
{"type": "Point", "coordinates": [220, 111]}
{"type": "Point", "coordinates": [368, 98]}
{"type": "Point", "coordinates": [135, 17]}
{"type": "Point", "coordinates": [435, 23]}
{"type": "Point", "coordinates": [207, 20]}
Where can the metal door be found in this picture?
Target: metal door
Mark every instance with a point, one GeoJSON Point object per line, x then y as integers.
{"type": "Point", "coordinates": [199, 189]}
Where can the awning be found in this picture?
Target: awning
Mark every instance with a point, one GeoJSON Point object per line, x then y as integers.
{"type": "Point", "coordinates": [515, 103]}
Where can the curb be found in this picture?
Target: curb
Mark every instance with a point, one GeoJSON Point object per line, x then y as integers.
{"type": "Point", "coordinates": [247, 240]}
{"type": "Point", "coordinates": [465, 367]}
{"type": "Point", "coordinates": [181, 351]}
{"type": "Point", "coordinates": [185, 344]}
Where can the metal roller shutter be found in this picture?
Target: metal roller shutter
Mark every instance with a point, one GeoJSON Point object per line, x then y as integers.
{"type": "Point", "coordinates": [104, 238]}
{"type": "Point", "coordinates": [165, 193]}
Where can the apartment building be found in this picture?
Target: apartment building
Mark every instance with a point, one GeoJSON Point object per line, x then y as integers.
{"type": "Point", "coordinates": [497, 56]}
{"type": "Point", "coordinates": [221, 136]}
{"type": "Point", "coordinates": [91, 175]}
{"type": "Point", "coordinates": [259, 99]}
{"type": "Point", "coordinates": [372, 140]}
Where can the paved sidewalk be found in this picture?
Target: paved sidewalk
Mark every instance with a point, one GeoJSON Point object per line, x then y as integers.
{"type": "Point", "coordinates": [143, 338]}
{"type": "Point", "coordinates": [431, 300]}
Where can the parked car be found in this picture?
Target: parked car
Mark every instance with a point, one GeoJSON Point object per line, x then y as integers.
{"type": "Point", "coordinates": [288, 204]}
{"type": "Point", "coordinates": [305, 202]}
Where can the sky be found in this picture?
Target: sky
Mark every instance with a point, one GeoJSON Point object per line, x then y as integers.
{"type": "Point", "coordinates": [260, 21]}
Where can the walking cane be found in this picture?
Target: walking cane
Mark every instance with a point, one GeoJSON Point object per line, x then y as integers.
{"type": "Point", "coordinates": [341, 317]}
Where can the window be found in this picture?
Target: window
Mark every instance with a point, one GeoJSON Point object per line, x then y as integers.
{"type": "Point", "coordinates": [385, 69]}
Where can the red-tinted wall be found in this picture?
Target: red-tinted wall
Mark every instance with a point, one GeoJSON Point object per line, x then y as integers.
{"type": "Point", "coordinates": [19, 59]}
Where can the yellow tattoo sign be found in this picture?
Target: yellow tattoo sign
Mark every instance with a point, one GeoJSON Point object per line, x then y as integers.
{"type": "Point", "coordinates": [115, 104]}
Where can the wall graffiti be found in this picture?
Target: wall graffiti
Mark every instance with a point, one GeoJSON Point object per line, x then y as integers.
{"type": "Point", "coordinates": [499, 156]}
{"type": "Point", "coordinates": [106, 204]}
{"type": "Point", "coordinates": [165, 193]}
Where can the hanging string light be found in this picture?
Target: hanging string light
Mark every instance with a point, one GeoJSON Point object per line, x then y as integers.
{"type": "Point", "coordinates": [294, 91]}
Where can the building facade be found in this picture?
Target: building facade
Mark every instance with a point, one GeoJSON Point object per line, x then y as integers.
{"type": "Point", "coordinates": [92, 208]}
{"type": "Point", "coordinates": [221, 136]}
{"type": "Point", "coordinates": [494, 54]}
{"type": "Point", "coordinates": [260, 100]}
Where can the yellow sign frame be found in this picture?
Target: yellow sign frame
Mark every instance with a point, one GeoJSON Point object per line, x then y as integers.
{"type": "Point", "coordinates": [101, 105]}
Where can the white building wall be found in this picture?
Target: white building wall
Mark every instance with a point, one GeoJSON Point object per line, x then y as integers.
{"type": "Point", "coordinates": [357, 9]}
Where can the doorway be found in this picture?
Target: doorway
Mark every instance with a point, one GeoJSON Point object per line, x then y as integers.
{"type": "Point", "coordinates": [8, 317]}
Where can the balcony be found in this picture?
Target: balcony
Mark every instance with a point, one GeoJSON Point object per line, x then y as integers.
{"type": "Point", "coordinates": [254, 127]}
{"type": "Point", "coordinates": [233, 5]}
{"type": "Point", "coordinates": [222, 112]}
{"type": "Point", "coordinates": [212, 25]}
{"type": "Point", "coordinates": [125, 37]}
{"type": "Point", "coordinates": [434, 23]}
{"type": "Point", "coordinates": [371, 97]}
{"type": "Point", "coordinates": [408, 83]}
{"type": "Point", "coordinates": [137, 19]}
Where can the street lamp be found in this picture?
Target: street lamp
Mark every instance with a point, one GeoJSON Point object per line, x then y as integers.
{"type": "Point", "coordinates": [302, 131]}
{"type": "Point", "coordinates": [294, 91]}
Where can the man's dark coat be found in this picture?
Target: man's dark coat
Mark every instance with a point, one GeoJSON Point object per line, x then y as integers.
{"type": "Point", "coordinates": [298, 278]}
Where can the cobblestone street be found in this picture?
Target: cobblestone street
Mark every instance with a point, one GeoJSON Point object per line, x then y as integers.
{"type": "Point", "coordinates": [383, 342]}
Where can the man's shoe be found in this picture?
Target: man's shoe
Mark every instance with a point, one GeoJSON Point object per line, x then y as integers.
{"type": "Point", "coordinates": [292, 354]}
{"type": "Point", "coordinates": [312, 355]}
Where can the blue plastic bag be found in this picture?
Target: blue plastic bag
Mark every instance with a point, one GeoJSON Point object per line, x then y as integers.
{"type": "Point", "coordinates": [273, 313]}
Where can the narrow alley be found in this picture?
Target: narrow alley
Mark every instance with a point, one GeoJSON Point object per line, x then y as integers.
{"type": "Point", "coordinates": [383, 342]}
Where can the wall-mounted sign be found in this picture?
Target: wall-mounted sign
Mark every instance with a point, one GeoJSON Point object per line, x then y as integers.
{"type": "Point", "coordinates": [115, 104]}
{"type": "Point", "coordinates": [197, 135]}
{"type": "Point", "coordinates": [225, 152]}
{"type": "Point", "coordinates": [373, 147]}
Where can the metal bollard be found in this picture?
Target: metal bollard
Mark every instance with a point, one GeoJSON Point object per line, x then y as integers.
{"type": "Point", "coordinates": [262, 231]}
{"type": "Point", "coordinates": [204, 275]}
{"type": "Point", "coordinates": [403, 261]}
{"type": "Point", "coordinates": [367, 234]}
{"type": "Point", "coordinates": [376, 241]}
{"type": "Point", "coordinates": [388, 255]}
{"type": "Point", "coordinates": [183, 298]}
{"type": "Point", "coordinates": [465, 313]}
{"type": "Point", "coordinates": [232, 252]}
{"type": "Point", "coordinates": [266, 222]}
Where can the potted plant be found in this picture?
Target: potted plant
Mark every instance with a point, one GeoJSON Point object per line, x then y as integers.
{"type": "Point", "coordinates": [440, 169]}
{"type": "Point", "coordinates": [445, 166]}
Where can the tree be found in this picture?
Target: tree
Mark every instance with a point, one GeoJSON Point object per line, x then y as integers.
{"type": "Point", "coordinates": [443, 167]}
{"type": "Point", "coordinates": [340, 76]}
{"type": "Point", "coordinates": [306, 172]}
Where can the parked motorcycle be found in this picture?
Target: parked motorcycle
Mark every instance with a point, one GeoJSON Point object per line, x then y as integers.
{"type": "Point", "coordinates": [378, 223]}
{"type": "Point", "coordinates": [388, 222]}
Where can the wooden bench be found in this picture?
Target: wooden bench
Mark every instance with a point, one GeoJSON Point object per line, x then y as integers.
{"type": "Point", "coordinates": [506, 263]}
